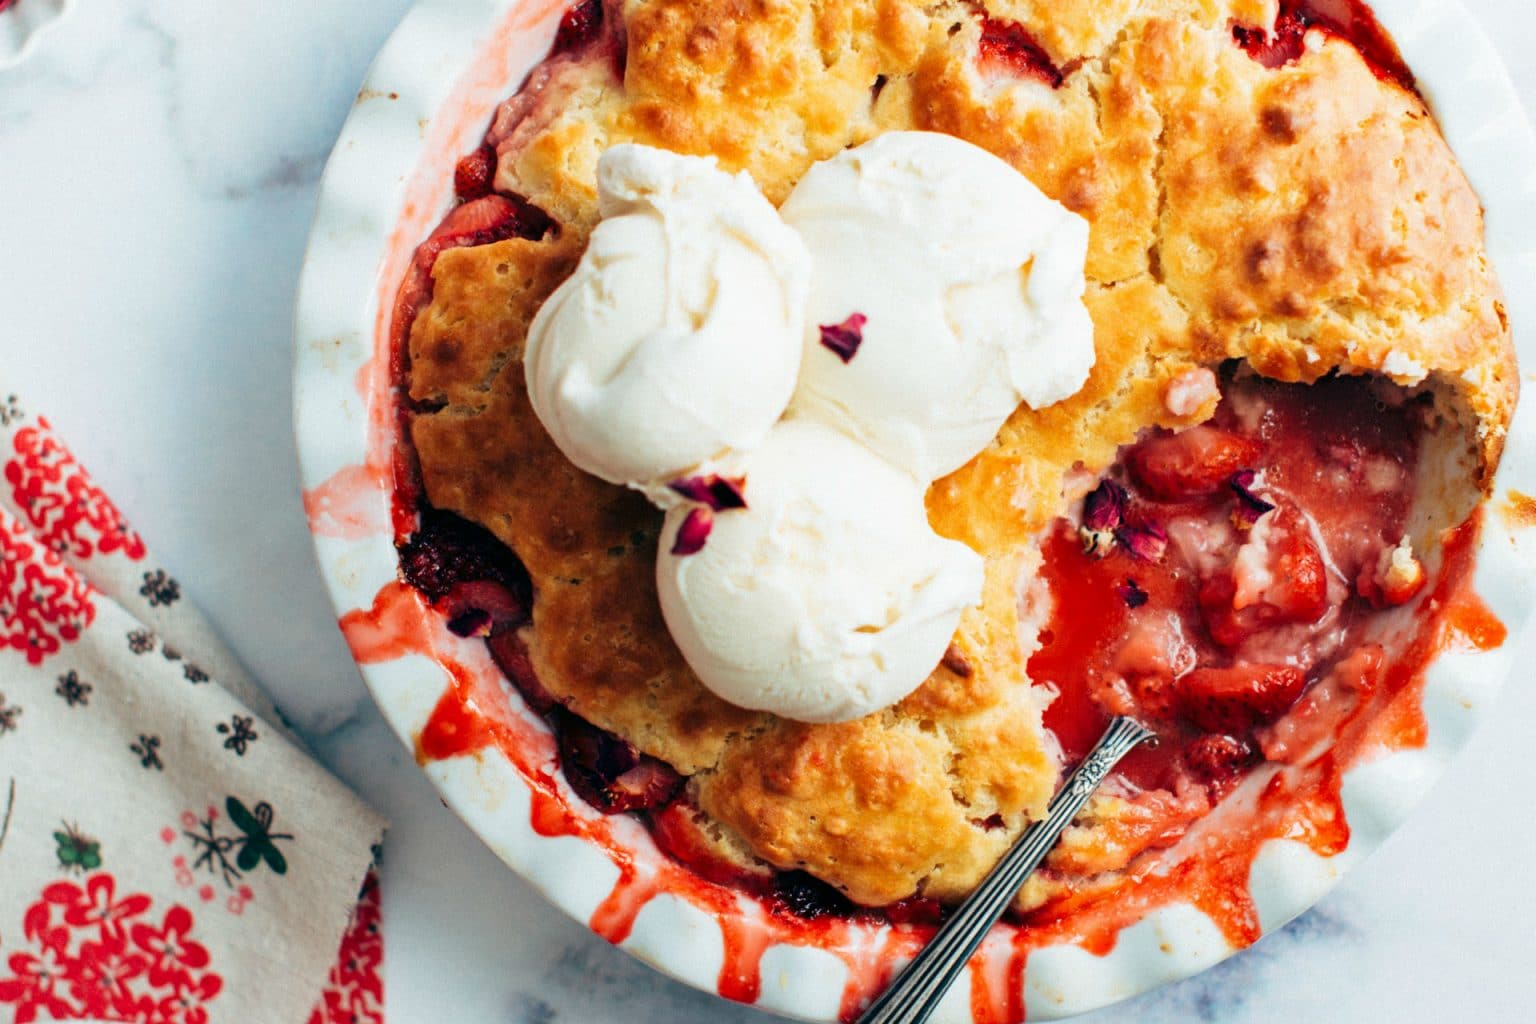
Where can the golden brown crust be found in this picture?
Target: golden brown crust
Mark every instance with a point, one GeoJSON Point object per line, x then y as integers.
{"type": "Point", "coordinates": [1308, 219]}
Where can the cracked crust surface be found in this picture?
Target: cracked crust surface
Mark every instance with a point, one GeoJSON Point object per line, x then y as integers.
{"type": "Point", "coordinates": [1308, 219]}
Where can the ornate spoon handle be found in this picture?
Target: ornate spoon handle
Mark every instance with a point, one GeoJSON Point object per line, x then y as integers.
{"type": "Point", "coordinates": [916, 992]}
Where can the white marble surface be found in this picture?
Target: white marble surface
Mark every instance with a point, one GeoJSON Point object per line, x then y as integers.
{"type": "Point", "coordinates": [158, 165]}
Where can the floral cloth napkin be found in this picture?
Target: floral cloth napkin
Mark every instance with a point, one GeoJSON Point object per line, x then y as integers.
{"type": "Point", "coordinates": [168, 852]}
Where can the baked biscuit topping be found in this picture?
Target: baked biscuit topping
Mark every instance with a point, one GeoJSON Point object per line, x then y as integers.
{"type": "Point", "coordinates": [1305, 218]}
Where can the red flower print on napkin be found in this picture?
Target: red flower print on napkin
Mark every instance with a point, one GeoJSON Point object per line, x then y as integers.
{"type": "Point", "coordinates": [34, 982]}
{"type": "Point", "coordinates": [43, 604]}
{"type": "Point", "coordinates": [173, 956]}
{"type": "Point", "coordinates": [65, 509]}
{"type": "Point", "coordinates": [354, 992]}
{"type": "Point", "coordinates": [98, 956]}
{"type": "Point", "coordinates": [96, 904]}
{"type": "Point", "coordinates": [100, 978]}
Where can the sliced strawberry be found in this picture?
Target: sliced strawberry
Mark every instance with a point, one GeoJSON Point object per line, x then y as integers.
{"type": "Point", "coordinates": [678, 830]}
{"type": "Point", "coordinates": [1154, 693]}
{"type": "Point", "coordinates": [1238, 698]}
{"type": "Point", "coordinates": [609, 773]}
{"type": "Point", "coordinates": [1300, 592]}
{"type": "Point", "coordinates": [1277, 49]}
{"type": "Point", "coordinates": [446, 552]}
{"type": "Point", "coordinates": [915, 910]}
{"type": "Point", "coordinates": [578, 26]}
{"type": "Point", "coordinates": [482, 608]}
{"type": "Point", "coordinates": [1007, 47]}
{"type": "Point", "coordinates": [1296, 591]}
{"type": "Point", "coordinates": [1228, 626]}
{"type": "Point", "coordinates": [475, 174]}
{"type": "Point", "coordinates": [1217, 758]}
{"type": "Point", "coordinates": [492, 218]}
{"type": "Point", "coordinates": [582, 26]}
{"type": "Point", "coordinates": [511, 656]}
{"type": "Point", "coordinates": [651, 783]}
{"type": "Point", "coordinates": [1190, 464]}
{"type": "Point", "coordinates": [1361, 670]}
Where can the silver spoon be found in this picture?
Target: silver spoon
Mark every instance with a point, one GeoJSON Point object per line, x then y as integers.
{"type": "Point", "coordinates": [916, 992]}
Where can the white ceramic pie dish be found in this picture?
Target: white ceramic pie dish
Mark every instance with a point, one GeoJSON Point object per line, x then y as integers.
{"type": "Point", "coordinates": [428, 100]}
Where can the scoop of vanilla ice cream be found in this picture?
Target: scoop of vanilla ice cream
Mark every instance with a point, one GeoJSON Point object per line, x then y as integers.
{"type": "Point", "coordinates": [971, 280]}
{"type": "Point", "coordinates": [829, 596]}
{"type": "Point", "coordinates": [677, 341]}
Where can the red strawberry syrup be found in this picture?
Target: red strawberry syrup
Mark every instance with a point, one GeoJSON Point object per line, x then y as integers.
{"type": "Point", "coordinates": [1349, 20]}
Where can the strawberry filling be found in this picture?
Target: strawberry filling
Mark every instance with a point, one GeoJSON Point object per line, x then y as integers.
{"type": "Point", "coordinates": [483, 590]}
{"type": "Point", "coordinates": [1349, 20]}
{"type": "Point", "coordinates": [584, 26]}
{"type": "Point", "coordinates": [1220, 584]}
{"type": "Point", "coordinates": [1008, 48]}
{"type": "Point", "coordinates": [491, 217]}
{"type": "Point", "coordinates": [609, 773]}
{"type": "Point", "coordinates": [1285, 517]}
{"type": "Point", "coordinates": [479, 585]}
{"type": "Point", "coordinates": [579, 26]}
{"type": "Point", "coordinates": [474, 176]}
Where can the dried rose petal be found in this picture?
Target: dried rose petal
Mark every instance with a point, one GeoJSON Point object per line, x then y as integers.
{"type": "Point", "coordinates": [1250, 507]}
{"type": "Point", "coordinates": [718, 492]}
{"type": "Point", "coordinates": [1147, 543]}
{"type": "Point", "coordinates": [1104, 508]}
{"type": "Point", "coordinates": [1103, 511]}
{"type": "Point", "coordinates": [1131, 593]}
{"type": "Point", "coordinates": [845, 338]}
{"type": "Point", "coordinates": [694, 531]}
